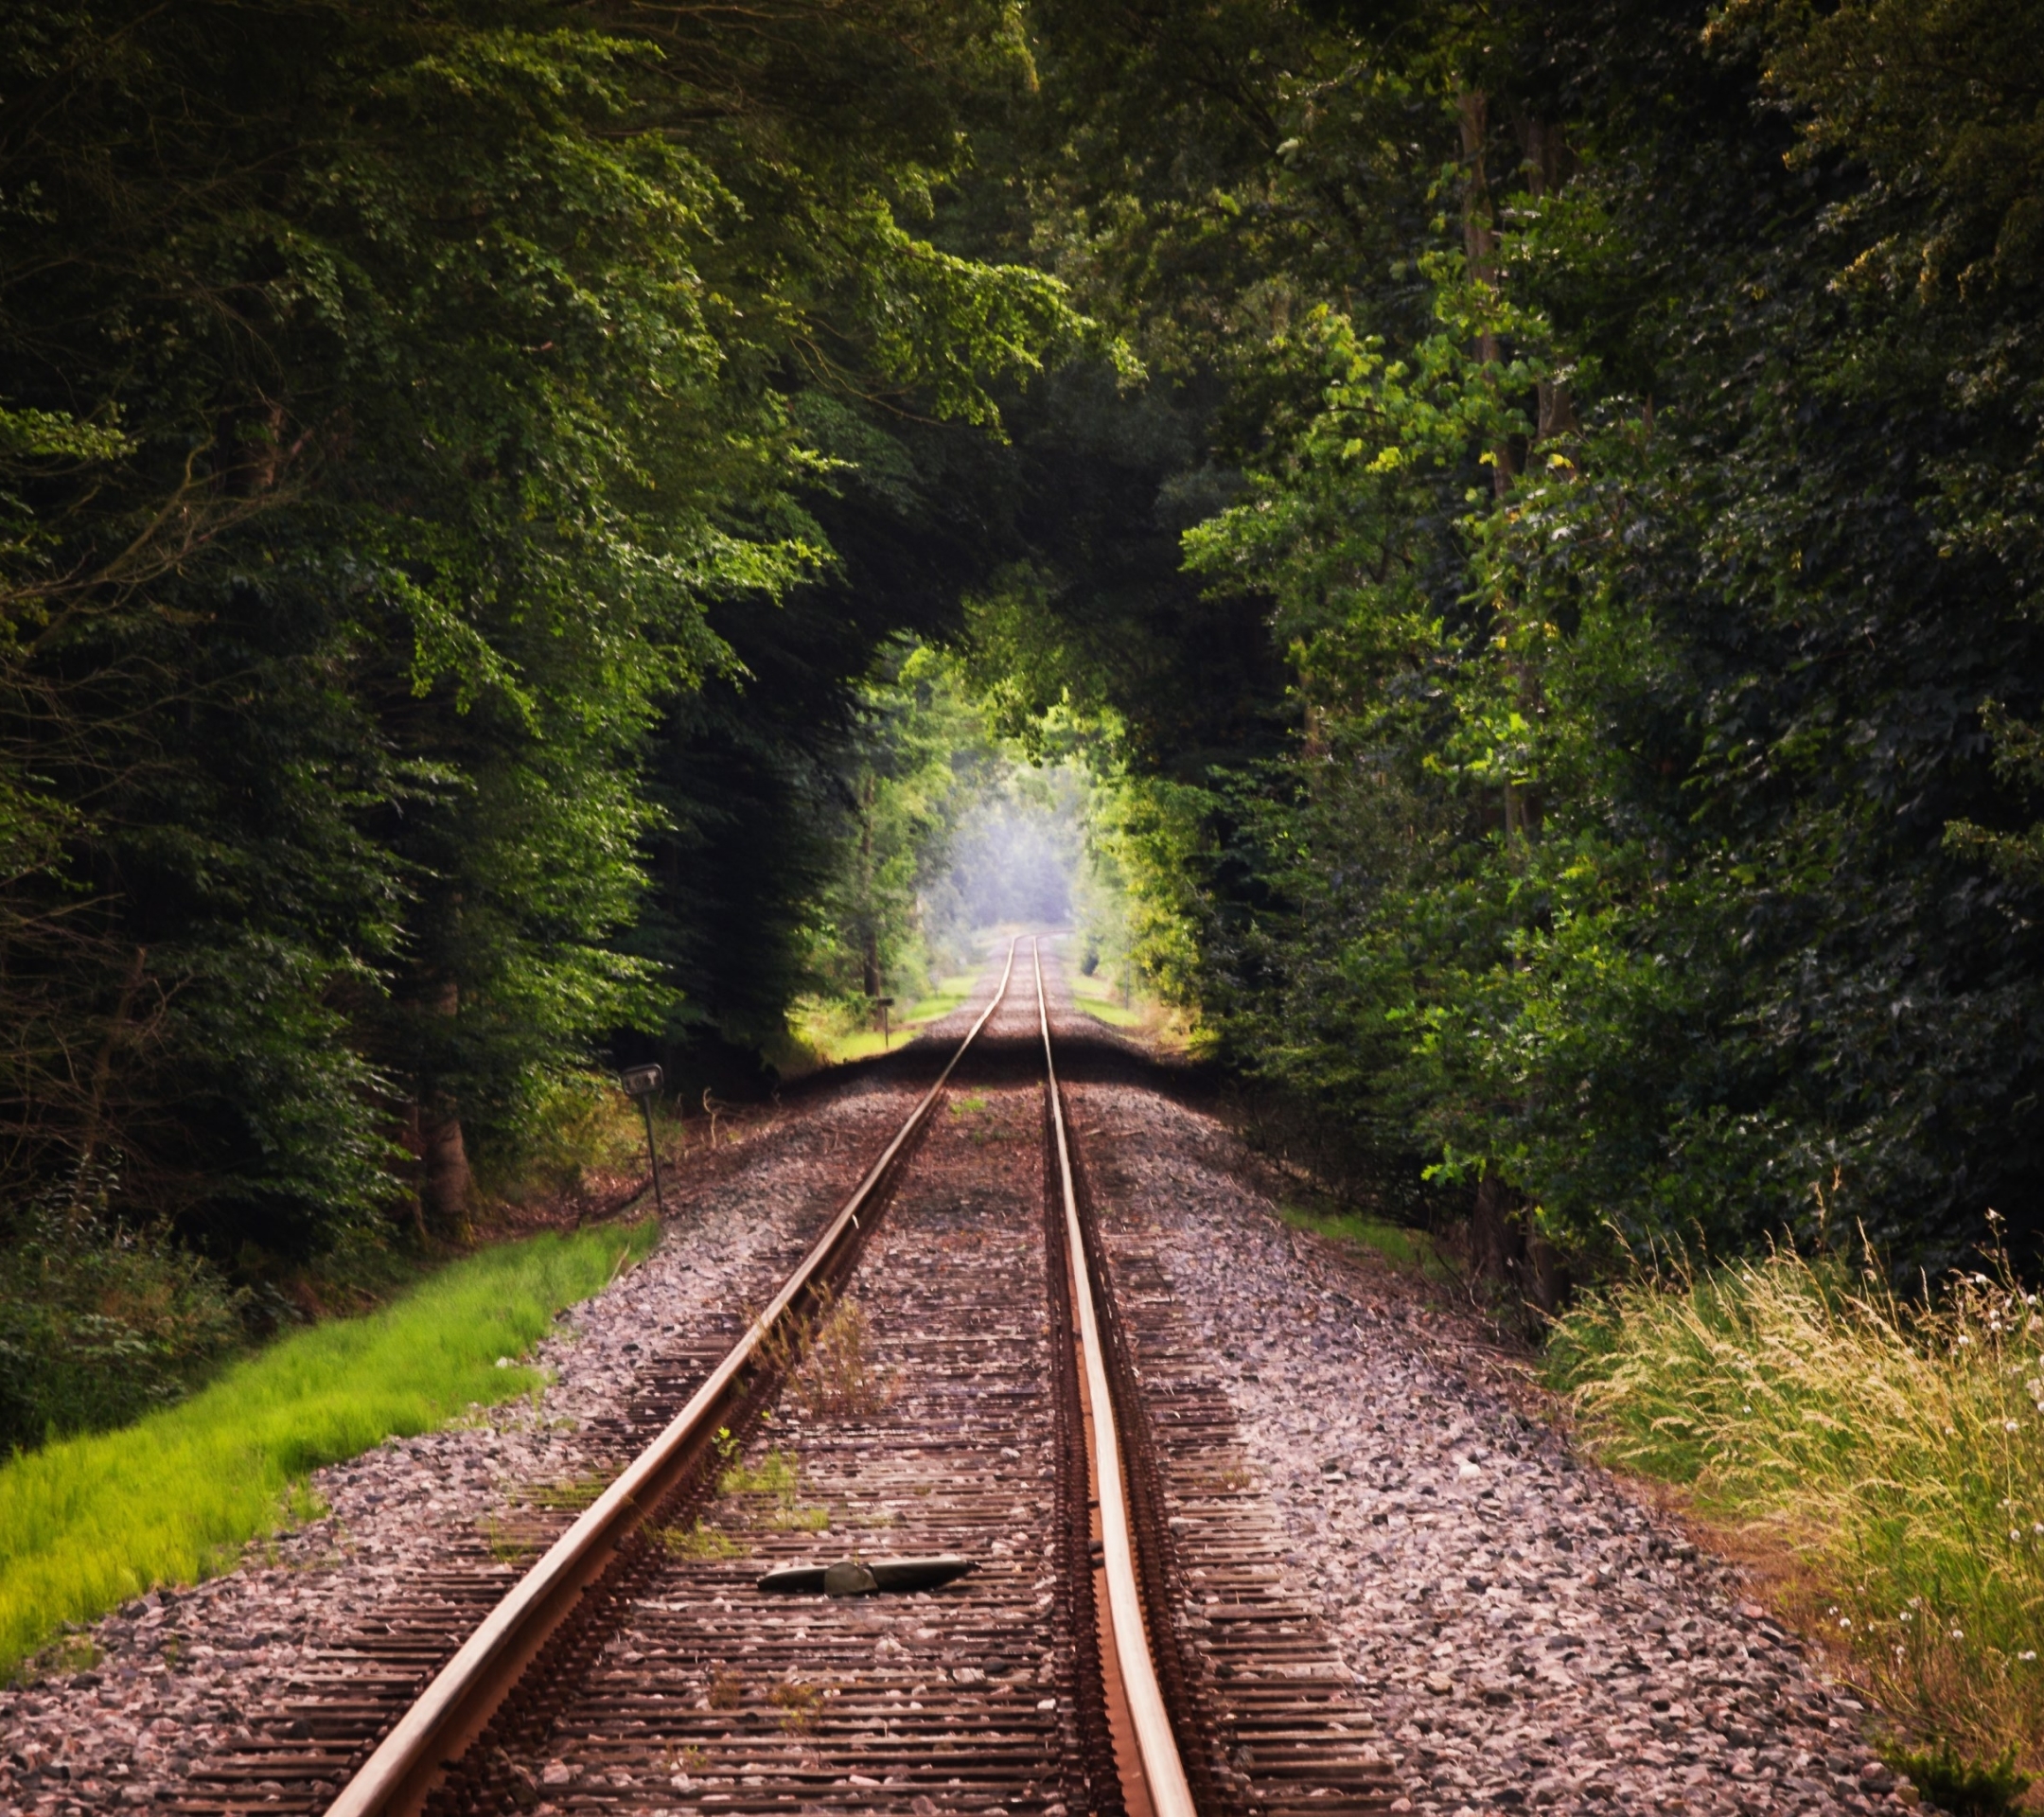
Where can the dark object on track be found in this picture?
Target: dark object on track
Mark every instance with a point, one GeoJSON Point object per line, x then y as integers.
{"type": "Point", "coordinates": [864, 1576]}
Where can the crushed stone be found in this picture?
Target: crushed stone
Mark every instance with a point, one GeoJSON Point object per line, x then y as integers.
{"type": "Point", "coordinates": [1531, 1635]}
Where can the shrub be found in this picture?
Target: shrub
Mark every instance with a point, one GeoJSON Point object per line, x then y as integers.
{"type": "Point", "coordinates": [573, 1128]}
{"type": "Point", "coordinates": [100, 1322]}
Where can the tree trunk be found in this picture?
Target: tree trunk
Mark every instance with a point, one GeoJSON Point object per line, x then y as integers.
{"type": "Point", "coordinates": [447, 1182]}
{"type": "Point", "coordinates": [117, 1034]}
{"type": "Point", "coordinates": [1479, 244]}
{"type": "Point", "coordinates": [444, 1177]}
{"type": "Point", "coordinates": [1506, 1248]}
{"type": "Point", "coordinates": [870, 955]}
{"type": "Point", "coordinates": [1497, 1241]}
{"type": "Point", "coordinates": [1547, 166]}
{"type": "Point", "coordinates": [1550, 1281]}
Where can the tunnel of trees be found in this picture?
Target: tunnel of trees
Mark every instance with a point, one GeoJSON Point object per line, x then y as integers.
{"type": "Point", "coordinates": [535, 534]}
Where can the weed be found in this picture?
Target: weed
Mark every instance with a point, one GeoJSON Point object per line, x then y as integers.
{"type": "Point", "coordinates": [695, 1540]}
{"type": "Point", "coordinates": [840, 1377]}
{"type": "Point", "coordinates": [1964, 1788]}
{"type": "Point", "coordinates": [969, 1106]}
{"type": "Point", "coordinates": [1235, 1477]}
{"type": "Point", "coordinates": [503, 1545]}
{"type": "Point", "coordinates": [1887, 1458]}
{"type": "Point", "coordinates": [827, 1355]}
{"type": "Point", "coordinates": [777, 1476]}
{"type": "Point", "coordinates": [73, 1653]}
{"type": "Point", "coordinates": [570, 1494]}
{"type": "Point", "coordinates": [1403, 1248]}
{"type": "Point", "coordinates": [726, 1692]}
{"type": "Point", "coordinates": [798, 1704]}
{"type": "Point", "coordinates": [302, 1504]}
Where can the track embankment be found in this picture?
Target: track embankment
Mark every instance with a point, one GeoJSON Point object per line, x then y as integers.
{"type": "Point", "coordinates": [1522, 1632]}
{"type": "Point", "coordinates": [1363, 1580]}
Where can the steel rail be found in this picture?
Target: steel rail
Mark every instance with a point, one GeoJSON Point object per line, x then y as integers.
{"type": "Point", "coordinates": [453, 1709]}
{"type": "Point", "coordinates": [1163, 1771]}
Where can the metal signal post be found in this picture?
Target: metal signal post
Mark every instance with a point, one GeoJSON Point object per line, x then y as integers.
{"type": "Point", "coordinates": [643, 1083]}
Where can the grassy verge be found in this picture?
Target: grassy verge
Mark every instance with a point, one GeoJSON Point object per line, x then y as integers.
{"type": "Point", "coordinates": [87, 1523]}
{"type": "Point", "coordinates": [1099, 999]}
{"type": "Point", "coordinates": [1887, 1461]}
{"type": "Point", "coordinates": [828, 1033]}
{"type": "Point", "coordinates": [1412, 1251]}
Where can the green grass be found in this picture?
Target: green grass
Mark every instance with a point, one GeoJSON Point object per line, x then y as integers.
{"type": "Point", "coordinates": [87, 1523]}
{"type": "Point", "coordinates": [777, 1476]}
{"type": "Point", "coordinates": [835, 1044]}
{"type": "Point", "coordinates": [1099, 999]}
{"type": "Point", "coordinates": [1403, 1248]}
{"type": "Point", "coordinates": [1883, 1461]}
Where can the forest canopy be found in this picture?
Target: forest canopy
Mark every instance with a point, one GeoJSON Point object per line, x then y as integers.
{"type": "Point", "coordinates": [524, 530]}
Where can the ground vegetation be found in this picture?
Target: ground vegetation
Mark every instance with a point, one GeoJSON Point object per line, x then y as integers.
{"type": "Point", "coordinates": [1488, 554]}
{"type": "Point", "coordinates": [92, 1520]}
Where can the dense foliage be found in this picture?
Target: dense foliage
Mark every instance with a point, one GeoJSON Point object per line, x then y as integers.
{"type": "Point", "coordinates": [1637, 414]}
{"type": "Point", "coordinates": [384, 439]}
{"type": "Point", "coordinates": [424, 430]}
{"type": "Point", "coordinates": [527, 531]}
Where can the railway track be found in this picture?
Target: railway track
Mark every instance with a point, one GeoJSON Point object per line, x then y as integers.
{"type": "Point", "coordinates": [954, 1368]}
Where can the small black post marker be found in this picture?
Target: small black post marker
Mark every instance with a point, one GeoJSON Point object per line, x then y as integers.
{"type": "Point", "coordinates": [885, 1004]}
{"type": "Point", "coordinates": [642, 1083]}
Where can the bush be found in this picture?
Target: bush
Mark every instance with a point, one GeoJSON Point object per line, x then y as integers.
{"type": "Point", "coordinates": [100, 1322]}
{"type": "Point", "coordinates": [1892, 1451]}
{"type": "Point", "coordinates": [575, 1126]}
{"type": "Point", "coordinates": [1964, 1788]}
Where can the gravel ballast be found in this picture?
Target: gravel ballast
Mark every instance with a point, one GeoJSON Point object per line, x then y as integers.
{"type": "Point", "coordinates": [179, 1673]}
{"type": "Point", "coordinates": [1532, 1638]}
{"type": "Point", "coordinates": [1525, 1634]}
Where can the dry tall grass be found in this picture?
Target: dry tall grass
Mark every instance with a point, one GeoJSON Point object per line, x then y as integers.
{"type": "Point", "coordinates": [1895, 1451]}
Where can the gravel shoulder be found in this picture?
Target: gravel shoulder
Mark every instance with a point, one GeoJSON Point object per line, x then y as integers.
{"type": "Point", "coordinates": [1528, 1633]}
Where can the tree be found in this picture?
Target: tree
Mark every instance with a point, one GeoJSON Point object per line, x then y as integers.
{"type": "Point", "coordinates": [379, 446]}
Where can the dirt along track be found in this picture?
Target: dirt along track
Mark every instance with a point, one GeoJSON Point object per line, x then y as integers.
{"type": "Point", "coordinates": [1305, 1669]}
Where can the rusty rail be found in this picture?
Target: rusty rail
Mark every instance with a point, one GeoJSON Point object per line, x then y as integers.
{"type": "Point", "coordinates": [397, 1778]}
{"type": "Point", "coordinates": [1163, 1782]}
